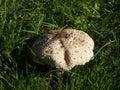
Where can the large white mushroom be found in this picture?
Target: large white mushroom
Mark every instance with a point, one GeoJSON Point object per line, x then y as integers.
{"type": "Point", "coordinates": [63, 48]}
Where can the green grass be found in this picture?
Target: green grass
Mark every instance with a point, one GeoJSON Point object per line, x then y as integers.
{"type": "Point", "coordinates": [22, 21]}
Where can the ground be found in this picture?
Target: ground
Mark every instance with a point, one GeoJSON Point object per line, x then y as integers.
{"type": "Point", "coordinates": [22, 21]}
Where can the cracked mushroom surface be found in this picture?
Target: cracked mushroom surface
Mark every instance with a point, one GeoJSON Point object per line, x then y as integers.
{"type": "Point", "coordinates": [63, 48]}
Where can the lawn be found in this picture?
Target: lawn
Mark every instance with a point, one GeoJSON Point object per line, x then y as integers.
{"type": "Point", "coordinates": [22, 21]}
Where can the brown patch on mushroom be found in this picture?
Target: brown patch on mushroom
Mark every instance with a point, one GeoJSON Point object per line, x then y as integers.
{"type": "Point", "coordinates": [62, 34]}
{"type": "Point", "coordinates": [67, 57]}
{"type": "Point", "coordinates": [58, 35]}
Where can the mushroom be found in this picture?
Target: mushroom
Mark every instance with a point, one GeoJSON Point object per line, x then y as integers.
{"type": "Point", "coordinates": [63, 48]}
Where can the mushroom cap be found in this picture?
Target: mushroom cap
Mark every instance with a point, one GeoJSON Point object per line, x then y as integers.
{"type": "Point", "coordinates": [63, 49]}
